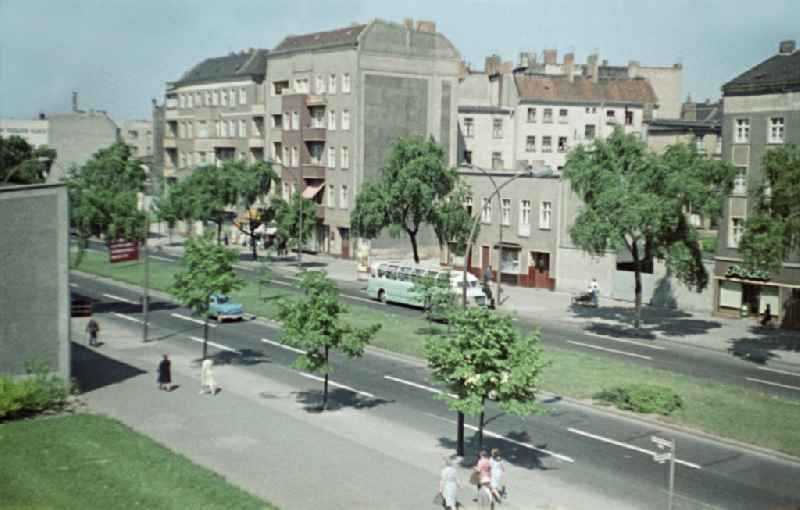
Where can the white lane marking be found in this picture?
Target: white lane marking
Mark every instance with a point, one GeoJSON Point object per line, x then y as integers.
{"type": "Point", "coordinates": [215, 344]}
{"type": "Point", "coordinates": [633, 342]}
{"type": "Point", "coordinates": [417, 385]}
{"type": "Point", "coordinates": [591, 346]}
{"type": "Point", "coordinates": [773, 383]}
{"type": "Point", "coordinates": [342, 386]}
{"type": "Point", "coordinates": [126, 317]}
{"type": "Point", "coordinates": [628, 446]}
{"type": "Point", "coordinates": [165, 259]}
{"type": "Point", "coordinates": [192, 319]}
{"type": "Point", "coordinates": [74, 285]}
{"type": "Point", "coordinates": [287, 347]}
{"type": "Point", "coordinates": [784, 372]}
{"type": "Point", "coordinates": [370, 301]}
{"type": "Point", "coordinates": [112, 296]}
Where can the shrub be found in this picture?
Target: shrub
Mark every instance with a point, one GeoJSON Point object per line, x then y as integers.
{"type": "Point", "coordinates": [642, 398]}
{"type": "Point", "coordinates": [34, 393]}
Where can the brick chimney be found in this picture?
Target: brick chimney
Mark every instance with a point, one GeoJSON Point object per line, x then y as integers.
{"type": "Point", "coordinates": [492, 65]}
{"type": "Point", "coordinates": [592, 70]}
{"type": "Point", "coordinates": [569, 66]}
{"type": "Point", "coordinates": [550, 56]}
{"type": "Point", "coordinates": [786, 47]}
{"type": "Point", "coordinates": [426, 26]}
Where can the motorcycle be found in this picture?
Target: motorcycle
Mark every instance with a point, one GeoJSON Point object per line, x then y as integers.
{"type": "Point", "coordinates": [584, 299]}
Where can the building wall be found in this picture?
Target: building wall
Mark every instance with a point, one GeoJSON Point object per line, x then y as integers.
{"type": "Point", "coordinates": [139, 135]}
{"type": "Point", "coordinates": [667, 84]}
{"type": "Point", "coordinates": [35, 132]}
{"type": "Point", "coordinates": [34, 272]}
{"type": "Point", "coordinates": [76, 136]}
{"type": "Point", "coordinates": [662, 290]}
{"type": "Point", "coordinates": [483, 143]}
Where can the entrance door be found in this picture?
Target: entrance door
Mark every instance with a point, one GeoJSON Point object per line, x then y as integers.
{"type": "Point", "coordinates": [539, 269]}
{"type": "Point", "coordinates": [485, 259]}
{"type": "Point", "coordinates": [344, 233]}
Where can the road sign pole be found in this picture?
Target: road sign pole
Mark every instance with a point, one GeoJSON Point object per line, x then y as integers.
{"type": "Point", "coordinates": [146, 296]}
{"type": "Point", "coordinates": [671, 474]}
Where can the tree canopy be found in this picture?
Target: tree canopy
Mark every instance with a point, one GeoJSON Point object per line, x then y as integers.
{"type": "Point", "coordinates": [413, 191]}
{"type": "Point", "coordinates": [287, 217]}
{"type": "Point", "coordinates": [637, 201]}
{"type": "Point", "coordinates": [20, 163]}
{"type": "Point", "coordinates": [772, 230]}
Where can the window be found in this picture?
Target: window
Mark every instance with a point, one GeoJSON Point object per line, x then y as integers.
{"type": "Point", "coordinates": [740, 181]}
{"type": "Point", "coordinates": [242, 128]}
{"type": "Point", "coordinates": [223, 98]}
{"type": "Point", "coordinates": [628, 118]}
{"type": "Point", "coordinates": [278, 87]}
{"type": "Point", "coordinates": [468, 206]}
{"type": "Point", "coordinates": [531, 115]}
{"type": "Point", "coordinates": [345, 157]}
{"type": "Point", "coordinates": [345, 119]}
{"type": "Point", "coordinates": [469, 127]}
{"type": "Point", "coordinates": [208, 98]}
{"type": "Point", "coordinates": [525, 217]}
{"type": "Point", "coordinates": [486, 211]}
{"type": "Point", "coordinates": [301, 85]}
{"type": "Point", "coordinates": [277, 121]}
{"type": "Point", "coordinates": [506, 210]}
{"type": "Point", "coordinates": [295, 120]}
{"type": "Point", "coordinates": [295, 156]}
{"type": "Point", "coordinates": [203, 158]}
{"type": "Point", "coordinates": [736, 232]}
{"type": "Point", "coordinates": [742, 133]}
{"type": "Point", "coordinates": [547, 144]}
{"type": "Point", "coordinates": [563, 116]}
{"type": "Point", "coordinates": [331, 195]}
{"type": "Point", "coordinates": [257, 127]}
{"type": "Point", "coordinates": [345, 83]}
{"type": "Point", "coordinates": [190, 129]}
{"type": "Point", "coordinates": [611, 116]}
{"type": "Point", "coordinates": [497, 128]}
{"type": "Point", "coordinates": [287, 121]}
{"type": "Point", "coordinates": [315, 153]}
{"type": "Point", "coordinates": [562, 144]}
{"type": "Point", "coordinates": [286, 160]}
{"type": "Point", "coordinates": [277, 151]}
{"type": "Point", "coordinates": [331, 157]}
{"type": "Point", "coordinates": [320, 88]}
{"type": "Point", "coordinates": [231, 128]}
{"type": "Point", "coordinates": [331, 120]}
{"type": "Point", "coordinates": [776, 130]}
{"type": "Point", "coordinates": [182, 101]}
{"type": "Point", "coordinates": [190, 101]}
{"type": "Point", "coordinates": [545, 214]}
{"type": "Point", "coordinates": [318, 118]}
{"type": "Point", "coordinates": [588, 132]}
{"type": "Point", "coordinates": [332, 84]}
{"type": "Point", "coordinates": [202, 129]}
{"type": "Point", "coordinates": [285, 190]}
{"type": "Point", "coordinates": [497, 161]}
{"type": "Point", "coordinates": [548, 116]}
{"type": "Point", "coordinates": [215, 98]}
{"type": "Point", "coordinates": [343, 202]}
{"type": "Point", "coordinates": [468, 157]}
{"type": "Point", "coordinates": [530, 144]}
{"type": "Point", "coordinates": [217, 128]}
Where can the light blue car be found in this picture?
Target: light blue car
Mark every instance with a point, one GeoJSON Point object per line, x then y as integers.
{"type": "Point", "coordinates": [222, 308]}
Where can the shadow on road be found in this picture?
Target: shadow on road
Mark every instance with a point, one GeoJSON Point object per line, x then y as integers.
{"type": "Point", "coordinates": [618, 322]}
{"type": "Point", "coordinates": [92, 369]}
{"type": "Point", "coordinates": [765, 344]}
{"type": "Point", "coordinates": [337, 399]}
{"type": "Point", "coordinates": [245, 357]}
{"type": "Point", "coordinates": [512, 453]}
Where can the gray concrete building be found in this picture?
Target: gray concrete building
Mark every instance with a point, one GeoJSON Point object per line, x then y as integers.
{"type": "Point", "coordinates": [139, 135]}
{"type": "Point", "coordinates": [761, 111]}
{"type": "Point", "coordinates": [33, 131]}
{"type": "Point", "coordinates": [34, 274]}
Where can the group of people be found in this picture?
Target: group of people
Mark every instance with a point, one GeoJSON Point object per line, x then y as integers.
{"type": "Point", "coordinates": [207, 383]}
{"type": "Point", "coordinates": [488, 476]}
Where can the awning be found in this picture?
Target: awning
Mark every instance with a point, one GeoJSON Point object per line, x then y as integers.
{"type": "Point", "coordinates": [508, 246]}
{"type": "Point", "coordinates": [312, 190]}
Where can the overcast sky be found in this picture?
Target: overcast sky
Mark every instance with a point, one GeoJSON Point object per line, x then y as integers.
{"type": "Point", "coordinates": [119, 53]}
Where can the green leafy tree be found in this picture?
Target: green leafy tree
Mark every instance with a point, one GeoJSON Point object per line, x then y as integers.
{"type": "Point", "coordinates": [452, 220]}
{"type": "Point", "coordinates": [772, 230]}
{"type": "Point", "coordinates": [487, 356]}
{"type": "Point", "coordinates": [637, 201]}
{"type": "Point", "coordinates": [435, 295]}
{"type": "Point", "coordinates": [20, 163]}
{"type": "Point", "coordinates": [412, 192]}
{"type": "Point", "coordinates": [287, 217]}
{"type": "Point", "coordinates": [103, 197]}
{"type": "Point", "coordinates": [213, 191]}
{"type": "Point", "coordinates": [313, 324]}
{"type": "Point", "coordinates": [254, 183]}
{"type": "Point", "coordinates": [209, 270]}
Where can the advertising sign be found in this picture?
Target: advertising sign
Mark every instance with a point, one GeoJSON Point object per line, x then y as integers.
{"type": "Point", "coordinates": [123, 251]}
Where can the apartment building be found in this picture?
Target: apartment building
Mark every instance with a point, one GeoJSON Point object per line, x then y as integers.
{"type": "Point", "coordinates": [33, 131]}
{"type": "Point", "coordinates": [336, 103]}
{"type": "Point", "coordinates": [139, 135]}
{"type": "Point", "coordinates": [761, 111]}
{"type": "Point", "coordinates": [214, 112]}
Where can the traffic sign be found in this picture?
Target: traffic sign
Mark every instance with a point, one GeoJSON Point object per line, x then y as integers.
{"type": "Point", "coordinates": [661, 442]}
{"type": "Point", "coordinates": [662, 457]}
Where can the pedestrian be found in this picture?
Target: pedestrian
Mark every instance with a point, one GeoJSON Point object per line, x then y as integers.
{"type": "Point", "coordinates": [207, 383]}
{"type": "Point", "coordinates": [449, 484]}
{"type": "Point", "coordinates": [225, 239]}
{"type": "Point", "coordinates": [594, 289]}
{"type": "Point", "coordinates": [483, 468]}
{"type": "Point", "coordinates": [165, 374]}
{"type": "Point", "coordinates": [92, 329]}
{"type": "Point", "coordinates": [498, 475]}
{"type": "Point", "coordinates": [766, 320]}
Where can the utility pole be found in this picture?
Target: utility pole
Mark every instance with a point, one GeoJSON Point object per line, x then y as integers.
{"type": "Point", "coordinates": [301, 186]}
{"type": "Point", "coordinates": [146, 296]}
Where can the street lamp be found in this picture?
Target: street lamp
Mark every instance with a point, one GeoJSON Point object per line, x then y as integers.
{"type": "Point", "coordinates": [146, 292]}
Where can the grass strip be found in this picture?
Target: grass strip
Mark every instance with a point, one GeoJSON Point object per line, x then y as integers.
{"type": "Point", "coordinates": [719, 409]}
{"type": "Point", "coordinates": [86, 461]}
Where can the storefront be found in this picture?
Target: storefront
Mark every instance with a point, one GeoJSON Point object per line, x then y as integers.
{"type": "Point", "coordinates": [738, 293]}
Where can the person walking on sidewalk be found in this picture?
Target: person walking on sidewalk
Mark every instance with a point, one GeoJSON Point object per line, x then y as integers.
{"type": "Point", "coordinates": [165, 374]}
{"type": "Point", "coordinates": [449, 484]}
{"type": "Point", "coordinates": [92, 328]}
{"type": "Point", "coordinates": [483, 468]}
{"type": "Point", "coordinates": [207, 383]}
{"type": "Point", "coordinates": [498, 474]}
{"type": "Point", "coordinates": [594, 290]}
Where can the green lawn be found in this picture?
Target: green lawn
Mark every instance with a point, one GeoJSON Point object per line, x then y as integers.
{"type": "Point", "coordinates": [92, 462]}
{"type": "Point", "coordinates": [719, 409]}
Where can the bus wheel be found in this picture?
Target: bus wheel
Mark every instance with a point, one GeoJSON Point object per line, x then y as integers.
{"type": "Point", "coordinates": [382, 296]}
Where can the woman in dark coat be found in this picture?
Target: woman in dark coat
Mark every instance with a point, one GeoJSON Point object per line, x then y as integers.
{"type": "Point", "coordinates": [165, 374]}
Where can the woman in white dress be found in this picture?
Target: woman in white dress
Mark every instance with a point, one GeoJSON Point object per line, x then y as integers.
{"type": "Point", "coordinates": [207, 383]}
{"type": "Point", "coordinates": [449, 484]}
{"type": "Point", "coordinates": [498, 473]}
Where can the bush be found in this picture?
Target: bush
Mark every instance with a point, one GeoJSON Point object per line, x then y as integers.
{"type": "Point", "coordinates": [34, 393]}
{"type": "Point", "coordinates": [642, 398]}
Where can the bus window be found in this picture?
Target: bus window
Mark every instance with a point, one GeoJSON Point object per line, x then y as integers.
{"type": "Point", "coordinates": [404, 274]}
{"type": "Point", "coordinates": [391, 272]}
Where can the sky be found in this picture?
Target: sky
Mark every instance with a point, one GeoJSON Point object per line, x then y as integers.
{"type": "Point", "coordinates": [119, 54]}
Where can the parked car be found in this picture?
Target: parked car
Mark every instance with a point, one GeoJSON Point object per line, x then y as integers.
{"type": "Point", "coordinates": [222, 308]}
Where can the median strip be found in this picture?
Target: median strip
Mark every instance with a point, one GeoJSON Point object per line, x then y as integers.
{"type": "Point", "coordinates": [215, 344]}
{"type": "Point", "coordinates": [628, 446]}
{"type": "Point", "coordinates": [624, 353]}
{"type": "Point", "coordinates": [192, 319]}
{"type": "Point", "coordinates": [342, 386]}
{"type": "Point", "coordinates": [770, 383]}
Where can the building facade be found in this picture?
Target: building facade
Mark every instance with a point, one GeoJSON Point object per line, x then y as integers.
{"type": "Point", "coordinates": [139, 135]}
{"type": "Point", "coordinates": [35, 132]}
{"type": "Point", "coordinates": [761, 111]}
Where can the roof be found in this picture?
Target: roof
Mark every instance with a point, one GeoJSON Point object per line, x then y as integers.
{"type": "Point", "coordinates": [340, 36]}
{"type": "Point", "coordinates": [779, 73]}
{"type": "Point", "coordinates": [683, 126]}
{"type": "Point", "coordinates": [484, 109]}
{"type": "Point", "coordinates": [583, 90]}
{"type": "Point", "coordinates": [245, 64]}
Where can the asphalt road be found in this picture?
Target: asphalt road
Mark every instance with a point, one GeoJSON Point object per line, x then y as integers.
{"type": "Point", "coordinates": [587, 447]}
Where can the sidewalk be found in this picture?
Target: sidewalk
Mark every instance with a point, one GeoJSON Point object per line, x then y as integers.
{"type": "Point", "coordinates": [738, 337]}
{"type": "Point", "coordinates": [260, 436]}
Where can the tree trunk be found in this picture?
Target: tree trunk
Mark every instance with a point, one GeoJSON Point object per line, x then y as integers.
{"type": "Point", "coordinates": [413, 238]}
{"type": "Point", "coordinates": [253, 237]}
{"type": "Point", "coordinates": [460, 435]}
{"type": "Point", "coordinates": [205, 337]}
{"type": "Point", "coordinates": [480, 427]}
{"type": "Point", "coordinates": [219, 232]}
{"type": "Point", "coordinates": [325, 390]}
{"type": "Point", "coordinates": [637, 278]}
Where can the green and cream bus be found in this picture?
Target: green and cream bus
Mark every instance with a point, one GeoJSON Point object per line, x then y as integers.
{"type": "Point", "coordinates": [393, 282]}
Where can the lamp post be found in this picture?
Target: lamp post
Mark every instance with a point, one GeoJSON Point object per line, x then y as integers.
{"type": "Point", "coordinates": [146, 290]}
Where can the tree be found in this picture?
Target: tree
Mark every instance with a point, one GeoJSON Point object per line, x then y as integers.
{"type": "Point", "coordinates": [453, 221]}
{"type": "Point", "coordinates": [103, 197]}
{"type": "Point", "coordinates": [435, 295]}
{"type": "Point", "coordinates": [213, 190]}
{"type": "Point", "coordinates": [413, 189]}
{"type": "Point", "coordinates": [20, 163]}
{"type": "Point", "coordinates": [637, 201]}
{"type": "Point", "coordinates": [287, 215]}
{"type": "Point", "coordinates": [254, 182]}
{"type": "Point", "coordinates": [312, 323]}
{"type": "Point", "coordinates": [772, 231]}
{"type": "Point", "coordinates": [209, 271]}
{"type": "Point", "coordinates": [487, 356]}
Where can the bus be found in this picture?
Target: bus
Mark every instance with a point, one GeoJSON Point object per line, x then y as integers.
{"type": "Point", "coordinates": [393, 282]}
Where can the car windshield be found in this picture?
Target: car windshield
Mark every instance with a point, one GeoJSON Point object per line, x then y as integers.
{"type": "Point", "coordinates": [222, 299]}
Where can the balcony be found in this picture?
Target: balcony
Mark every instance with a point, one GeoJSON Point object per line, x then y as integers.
{"type": "Point", "coordinates": [170, 142]}
{"type": "Point", "coordinates": [314, 134]}
{"type": "Point", "coordinates": [224, 142]}
{"type": "Point", "coordinates": [171, 114]}
{"type": "Point", "coordinates": [255, 143]}
{"type": "Point", "coordinates": [312, 100]}
{"type": "Point", "coordinates": [313, 171]}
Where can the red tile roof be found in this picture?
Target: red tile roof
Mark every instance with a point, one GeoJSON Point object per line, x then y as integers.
{"type": "Point", "coordinates": [560, 89]}
{"type": "Point", "coordinates": [347, 35]}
